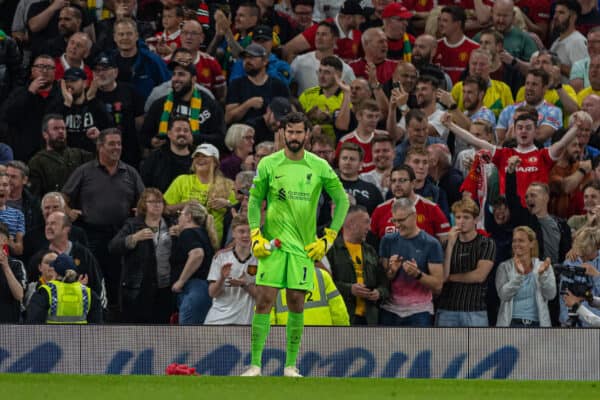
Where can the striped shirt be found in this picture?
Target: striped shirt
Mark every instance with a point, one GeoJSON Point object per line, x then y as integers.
{"type": "Point", "coordinates": [458, 296]}
{"type": "Point", "coordinates": [14, 220]}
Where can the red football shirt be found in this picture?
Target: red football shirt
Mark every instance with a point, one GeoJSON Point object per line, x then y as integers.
{"type": "Point", "coordinates": [454, 59]}
{"type": "Point", "coordinates": [367, 164]}
{"type": "Point", "coordinates": [348, 48]}
{"type": "Point", "coordinates": [535, 167]}
{"type": "Point", "coordinates": [430, 218]}
{"type": "Point", "coordinates": [419, 5]}
{"type": "Point", "coordinates": [209, 72]}
{"type": "Point", "coordinates": [385, 70]}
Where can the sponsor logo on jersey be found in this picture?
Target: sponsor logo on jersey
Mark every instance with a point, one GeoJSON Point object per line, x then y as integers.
{"type": "Point", "coordinates": [527, 169]}
{"type": "Point", "coordinates": [281, 194]}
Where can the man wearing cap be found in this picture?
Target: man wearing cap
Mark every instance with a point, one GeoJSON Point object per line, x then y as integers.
{"type": "Point", "coordinates": [64, 299]}
{"type": "Point", "coordinates": [172, 159]}
{"type": "Point", "coordinates": [104, 192]}
{"type": "Point", "coordinates": [248, 96]}
{"type": "Point", "coordinates": [122, 103]}
{"type": "Point", "coordinates": [266, 125]}
{"type": "Point", "coordinates": [276, 68]}
{"type": "Point", "coordinates": [84, 117]}
{"type": "Point", "coordinates": [305, 65]}
{"type": "Point", "coordinates": [395, 21]}
{"type": "Point", "coordinates": [348, 42]}
{"type": "Point", "coordinates": [205, 115]}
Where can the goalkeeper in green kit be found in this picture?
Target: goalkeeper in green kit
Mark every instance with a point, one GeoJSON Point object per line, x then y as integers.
{"type": "Point", "coordinates": [291, 181]}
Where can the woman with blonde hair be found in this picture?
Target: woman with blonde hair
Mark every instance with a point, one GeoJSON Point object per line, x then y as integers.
{"type": "Point", "coordinates": [190, 262]}
{"type": "Point", "coordinates": [240, 141]}
{"type": "Point", "coordinates": [525, 284]}
{"type": "Point", "coordinates": [206, 184]}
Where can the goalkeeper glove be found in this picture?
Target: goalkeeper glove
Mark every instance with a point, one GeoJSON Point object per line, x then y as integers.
{"type": "Point", "coordinates": [260, 246]}
{"type": "Point", "coordinates": [317, 249]}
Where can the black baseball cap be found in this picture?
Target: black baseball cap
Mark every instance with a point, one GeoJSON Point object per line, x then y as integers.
{"type": "Point", "coordinates": [262, 32]}
{"type": "Point", "coordinates": [351, 7]}
{"type": "Point", "coordinates": [105, 60]}
{"type": "Point", "coordinates": [191, 68]}
{"type": "Point", "coordinates": [280, 106]}
{"type": "Point", "coordinates": [74, 74]}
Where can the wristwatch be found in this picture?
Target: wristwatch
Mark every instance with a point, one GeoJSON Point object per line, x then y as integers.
{"type": "Point", "coordinates": [583, 171]}
{"type": "Point", "coordinates": [418, 277]}
{"type": "Point", "coordinates": [452, 107]}
{"type": "Point", "coordinates": [514, 61]}
{"type": "Point", "coordinates": [375, 86]}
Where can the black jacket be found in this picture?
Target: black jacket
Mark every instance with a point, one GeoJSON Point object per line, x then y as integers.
{"type": "Point", "coordinates": [12, 73]}
{"type": "Point", "coordinates": [49, 170]}
{"type": "Point", "coordinates": [31, 210]}
{"type": "Point", "coordinates": [10, 309]}
{"type": "Point", "coordinates": [519, 215]}
{"type": "Point", "coordinates": [138, 275]}
{"type": "Point", "coordinates": [342, 271]}
{"type": "Point", "coordinates": [22, 112]}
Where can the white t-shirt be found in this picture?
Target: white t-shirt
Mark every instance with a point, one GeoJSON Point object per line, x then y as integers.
{"type": "Point", "coordinates": [434, 120]}
{"type": "Point", "coordinates": [304, 71]}
{"type": "Point", "coordinates": [570, 50]}
{"type": "Point", "coordinates": [234, 305]}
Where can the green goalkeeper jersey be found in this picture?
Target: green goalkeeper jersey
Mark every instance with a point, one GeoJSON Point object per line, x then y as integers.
{"type": "Point", "coordinates": [292, 190]}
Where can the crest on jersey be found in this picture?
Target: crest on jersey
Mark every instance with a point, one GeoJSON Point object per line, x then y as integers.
{"type": "Point", "coordinates": [463, 56]}
{"type": "Point", "coordinates": [532, 159]}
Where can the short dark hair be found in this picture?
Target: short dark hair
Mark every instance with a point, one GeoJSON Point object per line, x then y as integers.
{"type": "Point", "coordinates": [295, 117]}
{"type": "Point", "coordinates": [458, 14]}
{"type": "Point", "coordinates": [46, 119]}
{"type": "Point", "coordinates": [540, 73]}
{"type": "Point", "coordinates": [595, 184]}
{"type": "Point", "coordinates": [596, 162]}
{"type": "Point", "coordinates": [335, 31]}
{"type": "Point", "coordinates": [435, 82]}
{"type": "Point", "coordinates": [351, 146]}
{"type": "Point", "coordinates": [252, 6]}
{"type": "Point", "coordinates": [414, 113]}
{"type": "Point", "coordinates": [108, 131]}
{"type": "Point", "coordinates": [526, 117]}
{"type": "Point", "coordinates": [177, 117]}
{"type": "Point", "coordinates": [553, 56]}
{"type": "Point", "coordinates": [366, 105]}
{"type": "Point", "coordinates": [380, 138]}
{"type": "Point", "coordinates": [572, 5]}
{"type": "Point", "coordinates": [476, 80]}
{"type": "Point", "coordinates": [333, 61]}
{"type": "Point", "coordinates": [498, 36]}
{"type": "Point", "coordinates": [178, 10]}
{"type": "Point", "coordinates": [357, 208]}
{"type": "Point", "coordinates": [180, 50]}
{"type": "Point", "coordinates": [406, 168]}
{"type": "Point", "coordinates": [322, 139]}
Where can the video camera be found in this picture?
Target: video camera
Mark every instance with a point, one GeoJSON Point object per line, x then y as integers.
{"type": "Point", "coordinates": [575, 280]}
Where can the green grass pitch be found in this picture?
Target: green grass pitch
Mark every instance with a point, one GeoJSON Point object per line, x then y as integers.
{"type": "Point", "coordinates": [108, 387]}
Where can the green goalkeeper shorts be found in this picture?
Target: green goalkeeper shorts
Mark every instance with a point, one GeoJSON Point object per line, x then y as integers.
{"type": "Point", "coordinates": [285, 270]}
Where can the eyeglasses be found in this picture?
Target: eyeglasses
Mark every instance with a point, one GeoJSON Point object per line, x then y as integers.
{"type": "Point", "coordinates": [44, 67]}
{"type": "Point", "coordinates": [400, 220]}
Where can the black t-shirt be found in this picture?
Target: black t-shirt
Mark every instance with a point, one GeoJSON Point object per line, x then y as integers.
{"type": "Point", "coordinates": [79, 118]}
{"type": "Point", "coordinates": [365, 193]}
{"type": "Point", "coordinates": [242, 89]}
{"type": "Point", "coordinates": [162, 166]}
{"type": "Point", "coordinates": [10, 309]}
{"type": "Point", "coordinates": [125, 66]}
{"type": "Point", "coordinates": [122, 105]}
{"type": "Point", "coordinates": [261, 130]}
{"type": "Point", "coordinates": [188, 240]}
{"type": "Point", "coordinates": [38, 39]}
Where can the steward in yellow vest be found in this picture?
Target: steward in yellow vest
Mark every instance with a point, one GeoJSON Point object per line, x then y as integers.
{"type": "Point", "coordinates": [323, 306]}
{"type": "Point", "coordinates": [64, 299]}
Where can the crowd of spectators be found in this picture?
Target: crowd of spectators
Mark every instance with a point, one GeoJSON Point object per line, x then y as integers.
{"type": "Point", "coordinates": [465, 133]}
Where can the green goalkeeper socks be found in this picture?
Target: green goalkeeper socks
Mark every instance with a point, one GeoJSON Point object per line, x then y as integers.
{"type": "Point", "coordinates": [261, 323]}
{"type": "Point", "coordinates": [293, 330]}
